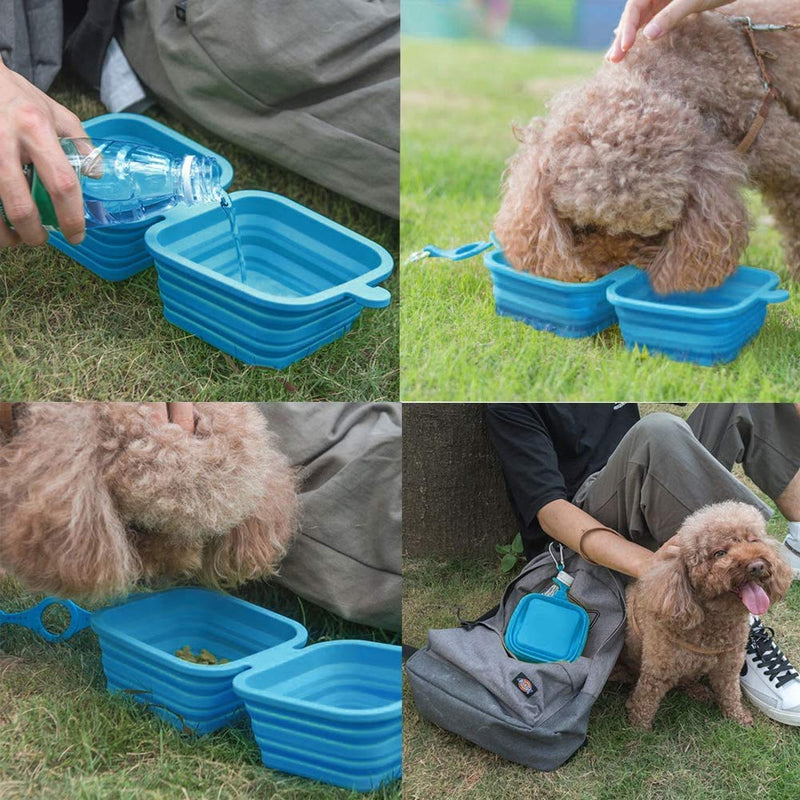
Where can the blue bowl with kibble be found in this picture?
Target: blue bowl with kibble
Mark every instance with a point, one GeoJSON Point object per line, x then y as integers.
{"type": "Point", "coordinates": [140, 638]}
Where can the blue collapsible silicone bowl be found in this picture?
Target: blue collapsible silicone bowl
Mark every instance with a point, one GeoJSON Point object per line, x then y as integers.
{"type": "Point", "coordinates": [707, 328]}
{"type": "Point", "coordinates": [572, 310]}
{"type": "Point", "coordinates": [544, 629]}
{"type": "Point", "coordinates": [331, 712]}
{"type": "Point", "coordinates": [139, 639]}
{"type": "Point", "coordinates": [308, 278]}
{"type": "Point", "coordinates": [118, 251]}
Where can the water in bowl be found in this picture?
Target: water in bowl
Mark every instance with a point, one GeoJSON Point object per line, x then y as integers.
{"type": "Point", "coordinates": [230, 213]}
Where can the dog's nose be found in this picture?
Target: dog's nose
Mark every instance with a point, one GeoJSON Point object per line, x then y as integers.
{"type": "Point", "coordinates": [756, 568]}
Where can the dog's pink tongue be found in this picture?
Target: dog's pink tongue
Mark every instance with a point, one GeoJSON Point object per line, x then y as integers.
{"type": "Point", "coordinates": [754, 597]}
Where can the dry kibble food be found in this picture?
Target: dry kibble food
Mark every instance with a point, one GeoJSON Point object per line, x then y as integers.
{"type": "Point", "coordinates": [203, 657]}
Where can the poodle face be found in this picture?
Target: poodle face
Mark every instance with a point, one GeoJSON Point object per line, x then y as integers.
{"type": "Point", "coordinates": [96, 497]}
{"type": "Point", "coordinates": [719, 559]}
{"type": "Point", "coordinates": [621, 173]}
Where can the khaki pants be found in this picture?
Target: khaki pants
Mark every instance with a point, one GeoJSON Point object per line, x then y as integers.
{"type": "Point", "coordinates": [665, 469]}
{"type": "Point", "coordinates": [314, 86]}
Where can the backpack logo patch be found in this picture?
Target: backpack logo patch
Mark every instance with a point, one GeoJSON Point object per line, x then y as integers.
{"type": "Point", "coordinates": [525, 685]}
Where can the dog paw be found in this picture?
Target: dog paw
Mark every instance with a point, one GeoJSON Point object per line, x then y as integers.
{"type": "Point", "coordinates": [637, 719]}
{"type": "Point", "coordinates": [742, 716]}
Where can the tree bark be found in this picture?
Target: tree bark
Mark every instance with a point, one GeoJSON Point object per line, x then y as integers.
{"type": "Point", "coordinates": [454, 495]}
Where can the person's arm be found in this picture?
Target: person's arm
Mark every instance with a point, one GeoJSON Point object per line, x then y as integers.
{"type": "Point", "coordinates": [31, 124]}
{"type": "Point", "coordinates": [178, 413]}
{"type": "Point", "coordinates": [567, 523]}
{"type": "Point", "coordinates": [657, 17]}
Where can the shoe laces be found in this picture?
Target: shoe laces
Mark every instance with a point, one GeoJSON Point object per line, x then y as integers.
{"type": "Point", "coordinates": [768, 656]}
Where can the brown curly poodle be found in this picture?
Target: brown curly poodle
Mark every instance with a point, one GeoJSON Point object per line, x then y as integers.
{"type": "Point", "coordinates": [688, 615]}
{"type": "Point", "coordinates": [639, 165]}
{"type": "Point", "coordinates": [95, 497]}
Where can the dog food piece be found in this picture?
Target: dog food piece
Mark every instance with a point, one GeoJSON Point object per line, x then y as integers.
{"type": "Point", "coordinates": [203, 657]}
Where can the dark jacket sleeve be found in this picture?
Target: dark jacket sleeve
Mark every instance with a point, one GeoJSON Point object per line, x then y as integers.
{"type": "Point", "coordinates": [530, 465]}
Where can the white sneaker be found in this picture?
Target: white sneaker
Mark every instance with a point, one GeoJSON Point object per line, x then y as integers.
{"type": "Point", "coordinates": [768, 679]}
{"type": "Point", "coordinates": [791, 552]}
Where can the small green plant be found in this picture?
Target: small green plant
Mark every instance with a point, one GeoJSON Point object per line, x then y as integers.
{"type": "Point", "coordinates": [511, 555]}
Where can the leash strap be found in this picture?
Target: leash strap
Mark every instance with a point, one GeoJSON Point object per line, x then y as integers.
{"type": "Point", "coordinates": [749, 27]}
{"type": "Point", "coordinates": [758, 122]}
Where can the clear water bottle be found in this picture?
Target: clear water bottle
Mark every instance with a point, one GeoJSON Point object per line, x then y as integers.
{"type": "Point", "coordinates": [125, 182]}
{"type": "Point", "coordinates": [563, 580]}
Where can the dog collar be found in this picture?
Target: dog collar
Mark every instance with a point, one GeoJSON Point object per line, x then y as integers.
{"type": "Point", "coordinates": [772, 93]}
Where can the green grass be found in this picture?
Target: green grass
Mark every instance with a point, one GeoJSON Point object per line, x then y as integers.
{"type": "Point", "coordinates": [459, 102]}
{"type": "Point", "coordinates": [691, 753]}
{"type": "Point", "coordinates": [66, 334]}
{"type": "Point", "coordinates": [64, 736]}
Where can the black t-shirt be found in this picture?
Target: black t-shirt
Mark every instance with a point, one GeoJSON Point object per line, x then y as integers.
{"type": "Point", "coordinates": [548, 450]}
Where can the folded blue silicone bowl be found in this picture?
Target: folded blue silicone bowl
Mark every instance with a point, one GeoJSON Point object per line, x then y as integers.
{"type": "Point", "coordinates": [118, 251]}
{"type": "Point", "coordinates": [332, 712]}
{"type": "Point", "coordinates": [544, 629]}
{"type": "Point", "coordinates": [308, 278]}
{"type": "Point", "coordinates": [706, 328]}
{"type": "Point", "coordinates": [139, 639]}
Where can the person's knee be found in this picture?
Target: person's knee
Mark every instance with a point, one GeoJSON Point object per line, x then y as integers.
{"type": "Point", "coordinates": [661, 426]}
{"type": "Point", "coordinates": [663, 435]}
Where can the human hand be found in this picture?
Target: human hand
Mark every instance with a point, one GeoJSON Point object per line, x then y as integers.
{"type": "Point", "coordinates": [178, 413]}
{"type": "Point", "coordinates": [656, 17]}
{"type": "Point", "coordinates": [30, 126]}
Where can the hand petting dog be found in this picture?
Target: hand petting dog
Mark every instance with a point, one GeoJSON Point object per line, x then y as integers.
{"type": "Point", "coordinates": [645, 164]}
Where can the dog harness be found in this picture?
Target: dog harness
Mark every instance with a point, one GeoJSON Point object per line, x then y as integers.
{"type": "Point", "coordinates": [772, 92]}
{"type": "Point", "coordinates": [680, 642]}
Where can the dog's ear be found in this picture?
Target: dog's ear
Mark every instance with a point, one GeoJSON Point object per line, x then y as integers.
{"type": "Point", "coordinates": [527, 225]}
{"type": "Point", "coordinates": [707, 241]}
{"type": "Point", "coordinates": [255, 547]}
{"type": "Point", "coordinates": [666, 589]}
{"type": "Point", "coordinates": [781, 578]}
{"type": "Point", "coordinates": [60, 532]}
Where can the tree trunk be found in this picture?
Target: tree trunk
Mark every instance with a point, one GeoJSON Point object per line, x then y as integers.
{"type": "Point", "coordinates": [454, 496]}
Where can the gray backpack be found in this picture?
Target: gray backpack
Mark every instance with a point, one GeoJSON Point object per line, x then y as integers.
{"type": "Point", "coordinates": [465, 681]}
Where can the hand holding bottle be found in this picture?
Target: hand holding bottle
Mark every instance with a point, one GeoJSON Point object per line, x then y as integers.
{"type": "Point", "coordinates": [30, 126]}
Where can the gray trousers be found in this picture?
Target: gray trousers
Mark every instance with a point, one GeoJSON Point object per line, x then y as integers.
{"type": "Point", "coordinates": [665, 469]}
{"type": "Point", "coordinates": [313, 86]}
{"type": "Point", "coordinates": [348, 557]}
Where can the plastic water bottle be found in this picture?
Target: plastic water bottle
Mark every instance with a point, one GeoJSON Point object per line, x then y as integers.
{"type": "Point", "coordinates": [562, 580]}
{"type": "Point", "coordinates": [125, 182]}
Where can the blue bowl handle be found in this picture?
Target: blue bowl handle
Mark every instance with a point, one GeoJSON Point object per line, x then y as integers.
{"type": "Point", "coordinates": [461, 253]}
{"type": "Point", "coordinates": [32, 619]}
{"type": "Point", "coordinates": [775, 296]}
{"type": "Point", "coordinates": [369, 296]}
